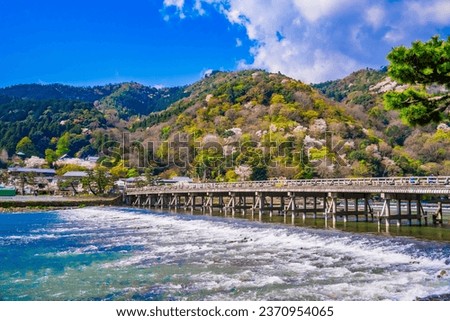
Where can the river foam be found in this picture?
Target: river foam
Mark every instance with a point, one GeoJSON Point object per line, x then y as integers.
{"type": "Point", "coordinates": [187, 257]}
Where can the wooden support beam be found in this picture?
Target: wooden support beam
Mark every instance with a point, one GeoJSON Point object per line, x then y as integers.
{"type": "Point", "coordinates": [385, 212]}
{"type": "Point", "coordinates": [409, 211]}
{"type": "Point", "coordinates": [315, 207]}
{"type": "Point", "coordinates": [331, 207]}
{"type": "Point", "coordinates": [221, 203]}
{"type": "Point", "coordinates": [291, 207]}
{"type": "Point", "coordinates": [137, 201]}
{"type": "Point", "coordinates": [271, 206]}
{"type": "Point", "coordinates": [367, 208]}
{"type": "Point", "coordinates": [147, 201]}
{"type": "Point", "coordinates": [260, 203]}
{"type": "Point", "coordinates": [438, 215]}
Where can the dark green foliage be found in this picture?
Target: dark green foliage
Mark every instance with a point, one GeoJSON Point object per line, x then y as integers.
{"type": "Point", "coordinates": [136, 99]}
{"type": "Point", "coordinates": [331, 90]}
{"type": "Point", "coordinates": [160, 117]}
{"type": "Point", "coordinates": [26, 146]}
{"type": "Point", "coordinates": [129, 98]}
{"type": "Point", "coordinates": [425, 63]}
{"type": "Point", "coordinates": [358, 155]}
{"type": "Point", "coordinates": [353, 88]}
{"type": "Point", "coordinates": [41, 120]}
{"type": "Point", "coordinates": [42, 112]}
{"type": "Point", "coordinates": [416, 106]}
{"type": "Point", "coordinates": [259, 173]}
{"type": "Point", "coordinates": [57, 92]}
{"type": "Point", "coordinates": [98, 181]}
{"type": "Point", "coordinates": [363, 99]}
{"type": "Point", "coordinates": [397, 134]}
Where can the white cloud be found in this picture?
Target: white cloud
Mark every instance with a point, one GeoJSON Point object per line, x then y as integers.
{"type": "Point", "coordinates": [424, 12]}
{"type": "Point", "coordinates": [178, 4]}
{"type": "Point", "coordinates": [198, 7]}
{"type": "Point", "coordinates": [316, 66]}
{"type": "Point", "coordinates": [324, 39]}
{"type": "Point", "coordinates": [375, 16]}
{"type": "Point", "coordinates": [314, 10]}
{"type": "Point", "coordinates": [394, 36]}
{"type": "Point", "coordinates": [207, 73]}
{"type": "Point", "coordinates": [304, 52]}
{"type": "Point", "coordinates": [238, 42]}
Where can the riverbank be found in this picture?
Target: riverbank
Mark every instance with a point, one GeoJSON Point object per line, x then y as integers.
{"type": "Point", "coordinates": [31, 203]}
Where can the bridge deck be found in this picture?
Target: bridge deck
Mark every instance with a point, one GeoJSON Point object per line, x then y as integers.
{"type": "Point", "coordinates": [316, 196]}
{"type": "Point", "coordinates": [399, 185]}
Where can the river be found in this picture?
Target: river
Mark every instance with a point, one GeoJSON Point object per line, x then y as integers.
{"type": "Point", "coordinates": [129, 254]}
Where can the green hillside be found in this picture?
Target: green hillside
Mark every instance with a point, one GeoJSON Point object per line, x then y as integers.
{"type": "Point", "coordinates": [228, 126]}
{"type": "Point", "coordinates": [257, 125]}
{"type": "Point", "coordinates": [416, 150]}
{"type": "Point", "coordinates": [131, 99]}
{"type": "Point", "coordinates": [44, 121]}
{"type": "Point", "coordinates": [57, 91]}
{"type": "Point", "coordinates": [45, 112]}
{"type": "Point", "coordinates": [355, 88]}
{"type": "Point", "coordinates": [128, 98]}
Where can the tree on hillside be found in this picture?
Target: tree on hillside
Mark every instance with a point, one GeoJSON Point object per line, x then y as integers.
{"type": "Point", "coordinates": [62, 147]}
{"type": "Point", "coordinates": [421, 66]}
{"type": "Point", "coordinates": [26, 146]}
{"type": "Point", "coordinates": [50, 156]}
{"type": "Point", "coordinates": [98, 181]}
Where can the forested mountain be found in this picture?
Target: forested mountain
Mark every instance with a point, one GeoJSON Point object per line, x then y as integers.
{"type": "Point", "coordinates": [128, 98]}
{"type": "Point", "coordinates": [58, 91]}
{"type": "Point", "coordinates": [253, 124]}
{"type": "Point", "coordinates": [131, 99]}
{"type": "Point", "coordinates": [228, 126]}
{"type": "Point", "coordinates": [44, 121]}
{"type": "Point", "coordinates": [355, 88]}
{"type": "Point", "coordinates": [417, 150]}
{"type": "Point", "coordinates": [45, 112]}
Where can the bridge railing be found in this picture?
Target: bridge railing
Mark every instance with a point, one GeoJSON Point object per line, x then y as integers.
{"type": "Point", "coordinates": [254, 185]}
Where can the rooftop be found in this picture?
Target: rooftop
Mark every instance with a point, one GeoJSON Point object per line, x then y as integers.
{"type": "Point", "coordinates": [75, 174]}
{"type": "Point", "coordinates": [177, 179]}
{"type": "Point", "coordinates": [47, 171]}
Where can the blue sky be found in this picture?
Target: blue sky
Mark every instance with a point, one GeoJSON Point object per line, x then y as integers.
{"type": "Point", "coordinates": [173, 42]}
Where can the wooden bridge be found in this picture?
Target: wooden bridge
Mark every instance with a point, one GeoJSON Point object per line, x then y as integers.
{"type": "Point", "coordinates": [317, 198]}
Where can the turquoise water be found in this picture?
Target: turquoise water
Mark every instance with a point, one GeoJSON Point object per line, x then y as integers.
{"type": "Point", "coordinates": [126, 254]}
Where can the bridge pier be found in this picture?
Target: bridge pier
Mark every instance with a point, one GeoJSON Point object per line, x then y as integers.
{"type": "Point", "coordinates": [271, 206]}
{"type": "Point", "coordinates": [331, 207]}
{"type": "Point", "coordinates": [305, 205]}
{"type": "Point", "coordinates": [147, 202]}
{"type": "Point", "coordinates": [137, 201]}
{"type": "Point", "coordinates": [291, 205]}
{"type": "Point", "coordinates": [259, 203]}
{"type": "Point", "coordinates": [398, 216]}
{"type": "Point", "coordinates": [438, 215]}
{"type": "Point", "coordinates": [347, 204]}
